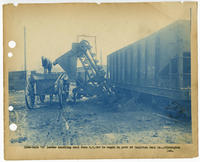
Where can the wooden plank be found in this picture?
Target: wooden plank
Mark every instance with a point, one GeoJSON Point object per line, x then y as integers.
{"type": "Point", "coordinates": [146, 59]}
{"type": "Point", "coordinates": [157, 59]}
{"type": "Point", "coordinates": [138, 63]}
{"type": "Point", "coordinates": [118, 68]}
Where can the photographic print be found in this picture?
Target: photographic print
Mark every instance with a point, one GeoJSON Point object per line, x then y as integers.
{"type": "Point", "coordinates": [114, 80]}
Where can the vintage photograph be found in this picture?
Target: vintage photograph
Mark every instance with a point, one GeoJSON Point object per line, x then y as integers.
{"type": "Point", "coordinates": [93, 75]}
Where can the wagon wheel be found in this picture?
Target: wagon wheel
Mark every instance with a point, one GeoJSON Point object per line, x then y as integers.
{"type": "Point", "coordinates": [61, 94]}
{"type": "Point", "coordinates": [29, 95]}
{"type": "Point", "coordinates": [42, 98]}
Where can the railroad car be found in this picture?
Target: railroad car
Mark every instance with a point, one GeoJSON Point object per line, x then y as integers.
{"type": "Point", "coordinates": [158, 64]}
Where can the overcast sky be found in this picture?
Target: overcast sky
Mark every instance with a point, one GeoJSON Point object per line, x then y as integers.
{"type": "Point", "coordinates": [51, 29]}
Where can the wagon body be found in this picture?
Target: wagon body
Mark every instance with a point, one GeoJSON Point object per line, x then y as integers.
{"type": "Point", "coordinates": [44, 83]}
{"type": "Point", "coordinates": [158, 64]}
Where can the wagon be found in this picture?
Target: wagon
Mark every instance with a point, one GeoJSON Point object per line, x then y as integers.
{"type": "Point", "coordinates": [39, 85]}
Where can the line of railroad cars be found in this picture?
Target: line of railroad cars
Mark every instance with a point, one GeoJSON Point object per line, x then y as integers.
{"type": "Point", "coordinates": [158, 65]}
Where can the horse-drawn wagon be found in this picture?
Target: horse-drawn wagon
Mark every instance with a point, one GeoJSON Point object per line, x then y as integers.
{"type": "Point", "coordinates": [41, 85]}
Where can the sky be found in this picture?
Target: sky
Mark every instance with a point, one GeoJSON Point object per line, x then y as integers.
{"type": "Point", "coordinates": [52, 28]}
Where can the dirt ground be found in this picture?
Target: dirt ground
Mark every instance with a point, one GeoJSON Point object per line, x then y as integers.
{"type": "Point", "coordinates": [89, 122]}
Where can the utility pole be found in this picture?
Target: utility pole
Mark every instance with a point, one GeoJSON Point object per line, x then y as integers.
{"type": "Point", "coordinates": [190, 18]}
{"type": "Point", "coordinates": [101, 58]}
{"type": "Point", "coordinates": [25, 57]}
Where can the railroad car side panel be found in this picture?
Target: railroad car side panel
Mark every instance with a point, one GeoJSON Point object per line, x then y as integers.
{"type": "Point", "coordinates": [142, 62]}
{"type": "Point", "coordinates": [135, 70]}
{"type": "Point", "coordinates": [150, 43]}
{"type": "Point", "coordinates": [158, 64]}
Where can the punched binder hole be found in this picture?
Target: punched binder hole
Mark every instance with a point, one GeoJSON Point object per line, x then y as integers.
{"type": "Point", "coordinates": [10, 108]}
{"type": "Point", "coordinates": [13, 127]}
{"type": "Point", "coordinates": [12, 44]}
{"type": "Point", "coordinates": [98, 2]}
{"type": "Point", "coordinates": [10, 54]}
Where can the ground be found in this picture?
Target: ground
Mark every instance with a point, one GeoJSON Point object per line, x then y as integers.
{"type": "Point", "coordinates": [90, 122]}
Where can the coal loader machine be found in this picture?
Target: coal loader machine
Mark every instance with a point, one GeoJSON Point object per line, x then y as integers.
{"type": "Point", "coordinates": [69, 85]}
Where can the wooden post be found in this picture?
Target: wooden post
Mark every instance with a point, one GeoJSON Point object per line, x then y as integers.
{"type": "Point", "coordinates": [146, 60]}
{"type": "Point", "coordinates": [190, 19]}
{"type": "Point", "coordinates": [180, 61]}
{"type": "Point", "coordinates": [25, 57]}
